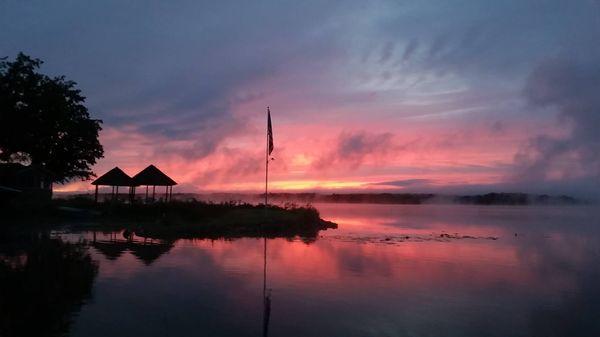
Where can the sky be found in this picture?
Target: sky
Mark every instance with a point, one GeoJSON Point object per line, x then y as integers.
{"type": "Point", "coordinates": [415, 96]}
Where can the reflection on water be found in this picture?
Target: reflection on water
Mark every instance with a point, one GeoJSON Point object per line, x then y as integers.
{"type": "Point", "coordinates": [43, 283]}
{"type": "Point", "coordinates": [145, 250]}
{"type": "Point", "coordinates": [539, 276]}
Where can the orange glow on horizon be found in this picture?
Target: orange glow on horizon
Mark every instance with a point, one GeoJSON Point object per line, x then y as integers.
{"type": "Point", "coordinates": [308, 158]}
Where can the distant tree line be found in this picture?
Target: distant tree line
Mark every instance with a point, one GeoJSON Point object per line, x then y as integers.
{"type": "Point", "coordinates": [424, 198]}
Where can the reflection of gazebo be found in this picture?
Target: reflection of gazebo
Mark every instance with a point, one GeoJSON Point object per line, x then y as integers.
{"type": "Point", "coordinates": [152, 176]}
{"type": "Point", "coordinates": [112, 250]}
{"type": "Point", "coordinates": [149, 252]}
{"type": "Point", "coordinates": [114, 178]}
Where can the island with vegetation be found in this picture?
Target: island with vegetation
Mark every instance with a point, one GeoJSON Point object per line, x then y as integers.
{"type": "Point", "coordinates": [177, 219]}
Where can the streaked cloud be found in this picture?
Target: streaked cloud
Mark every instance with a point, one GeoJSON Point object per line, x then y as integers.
{"type": "Point", "coordinates": [353, 148]}
{"type": "Point", "coordinates": [458, 92]}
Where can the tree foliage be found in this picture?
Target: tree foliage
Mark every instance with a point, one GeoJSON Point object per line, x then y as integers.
{"type": "Point", "coordinates": [43, 120]}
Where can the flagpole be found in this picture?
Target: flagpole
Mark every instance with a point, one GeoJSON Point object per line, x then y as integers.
{"type": "Point", "coordinates": [266, 297]}
{"type": "Point", "coordinates": [267, 163]}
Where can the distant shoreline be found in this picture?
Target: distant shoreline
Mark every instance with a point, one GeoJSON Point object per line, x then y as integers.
{"type": "Point", "coordinates": [494, 198]}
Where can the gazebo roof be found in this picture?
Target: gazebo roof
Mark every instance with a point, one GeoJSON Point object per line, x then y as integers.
{"type": "Point", "coordinates": [114, 177]}
{"type": "Point", "coordinates": [152, 176]}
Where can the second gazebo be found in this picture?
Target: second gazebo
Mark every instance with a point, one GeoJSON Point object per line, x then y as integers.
{"type": "Point", "coordinates": [152, 176]}
{"type": "Point", "coordinates": [114, 178]}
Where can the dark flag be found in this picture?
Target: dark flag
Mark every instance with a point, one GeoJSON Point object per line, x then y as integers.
{"type": "Point", "coordinates": [269, 131]}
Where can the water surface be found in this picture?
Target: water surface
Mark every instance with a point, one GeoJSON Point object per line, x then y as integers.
{"type": "Point", "coordinates": [388, 270]}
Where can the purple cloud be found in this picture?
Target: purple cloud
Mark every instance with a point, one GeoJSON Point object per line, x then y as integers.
{"type": "Point", "coordinates": [352, 149]}
{"type": "Point", "coordinates": [572, 88]}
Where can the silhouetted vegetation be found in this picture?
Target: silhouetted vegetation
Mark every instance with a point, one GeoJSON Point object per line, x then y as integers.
{"type": "Point", "coordinates": [43, 121]}
{"type": "Point", "coordinates": [383, 198]}
{"type": "Point", "coordinates": [182, 219]}
{"type": "Point", "coordinates": [43, 281]}
{"type": "Point", "coordinates": [515, 199]}
{"type": "Point", "coordinates": [423, 198]}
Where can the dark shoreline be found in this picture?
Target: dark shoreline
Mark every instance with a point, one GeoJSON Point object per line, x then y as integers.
{"type": "Point", "coordinates": [493, 198]}
{"type": "Point", "coordinates": [427, 198]}
{"type": "Point", "coordinates": [173, 220]}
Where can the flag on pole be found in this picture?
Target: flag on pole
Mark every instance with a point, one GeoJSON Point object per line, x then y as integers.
{"type": "Point", "coordinates": [269, 131]}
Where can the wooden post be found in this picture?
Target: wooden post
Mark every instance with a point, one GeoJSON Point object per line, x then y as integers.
{"type": "Point", "coordinates": [166, 193]}
{"type": "Point", "coordinates": [171, 194]}
{"type": "Point", "coordinates": [153, 192]}
{"type": "Point", "coordinates": [96, 194]}
{"type": "Point", "coordinates": [146, 194]}
{"type": "Point", "coordinates": [131, 194]}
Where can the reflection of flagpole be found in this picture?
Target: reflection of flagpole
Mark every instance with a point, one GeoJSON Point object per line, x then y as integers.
{"type": "Point", "coordinates": [266, 297]}
{"type": "Point", "coordinates": [265, 268]}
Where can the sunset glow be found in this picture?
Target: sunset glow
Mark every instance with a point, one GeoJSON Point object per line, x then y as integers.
{"type": "Point", "coordinates": [300, 168]}
{"type": "Point", "coordinates": [362, 97]}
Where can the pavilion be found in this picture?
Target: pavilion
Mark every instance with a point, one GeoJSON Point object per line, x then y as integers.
{"type": "Point", "coordinates": [114, 178]}
{"type": "Point", "coordinates": [152, 176]}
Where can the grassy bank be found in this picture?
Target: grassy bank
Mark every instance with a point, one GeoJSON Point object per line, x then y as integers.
{"type": "Point", "coordinates": [179, 219]}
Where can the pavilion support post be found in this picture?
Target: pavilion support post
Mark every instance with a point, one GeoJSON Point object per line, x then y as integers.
{"type": "Point", "coordinates": [146, 193]}
{"type": "Point", "coordinates": [96, 195]}
{"type": "Point", "coordinates": [153, 193]}
{"type": "Point", "coordinates": [117, 195]}
{"type": "Point", "coordinates": [171, 194]}
{"type": "Point", "coordinates": [131, 194]}
{"type": "Point", "coordinates": [166, 193]}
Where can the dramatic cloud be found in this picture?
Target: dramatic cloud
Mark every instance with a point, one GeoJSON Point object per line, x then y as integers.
{"type": "Point", "coordinates": [352, 149]}
{"type": "Point", "coordinates": [405, 183]}
{"type": "Point", "coordinates": [573, 89]}
{"type": "Point", "coordinates": [177, 73]}
{"type": "Point", "coordinates": [418, 94]}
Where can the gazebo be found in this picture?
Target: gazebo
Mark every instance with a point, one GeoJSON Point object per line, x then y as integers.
{"type": "Point", "coordinates": [152, 176]}
{"type": "Point", "coordinates": [114, 178]}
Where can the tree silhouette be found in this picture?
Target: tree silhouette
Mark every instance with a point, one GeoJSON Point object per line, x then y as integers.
{"type": "Point", "coordinates": [43, 120]}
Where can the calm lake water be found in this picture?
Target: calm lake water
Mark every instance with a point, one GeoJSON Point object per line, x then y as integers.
{"type": "Point", "coordinates": [388, 270]}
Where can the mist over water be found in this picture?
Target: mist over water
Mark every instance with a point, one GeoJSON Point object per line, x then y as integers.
{"type": "Point", "coordinates": [388, 270]}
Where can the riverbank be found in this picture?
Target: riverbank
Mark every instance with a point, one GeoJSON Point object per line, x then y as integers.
{"type": "Point", "coordinates": [177, 219]}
